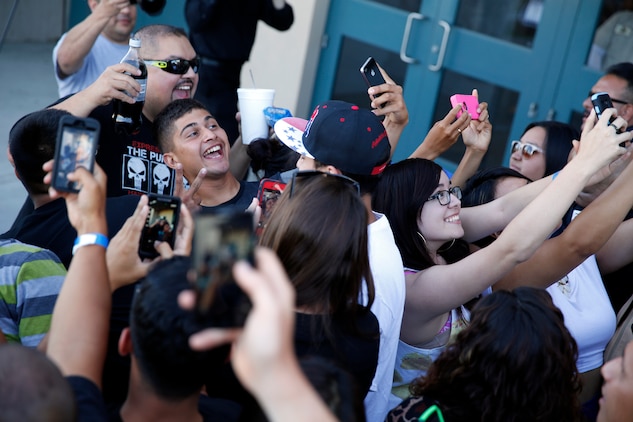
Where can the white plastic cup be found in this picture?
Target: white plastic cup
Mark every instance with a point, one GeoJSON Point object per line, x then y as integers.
{"type": "Point", "coordinates": [252, 102]}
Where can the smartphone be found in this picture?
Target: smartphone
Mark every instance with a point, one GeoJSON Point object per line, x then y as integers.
{"type": "Point", "coordinates": [269, 192]}
{"type": "Point", "coordinates": [371, 74]}
{"type": "Point", "coordinates": [220, 239]}
{"type": "Point", "coordinates": [602, 101]}
{"type": "Point", "coordinates": [77, 139]}
{"type": "Point", "coordinates": [160, 225]}
{"type": "Point", "coordinates": [469, 104]}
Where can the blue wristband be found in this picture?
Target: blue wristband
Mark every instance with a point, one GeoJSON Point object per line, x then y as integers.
{"type": "Point", "coordinates": [554, 175]}
{"type": "Point", "coordinates": [90, 239]}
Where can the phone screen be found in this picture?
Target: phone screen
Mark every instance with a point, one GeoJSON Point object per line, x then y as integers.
{"type": "Point", "coordinates": [269, 192]}
{"type": "Point", "coordinates": [221, 239]}
{"type": "Point", "coordinates": [160, 225]}
{"type": "Point", "coordinates": [76, 146]}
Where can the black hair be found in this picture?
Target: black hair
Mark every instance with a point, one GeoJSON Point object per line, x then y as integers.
{"type": "Point", "coordinates": [271, 156]}
{"type": "Point", "coordinates": [160, 331]}
{"type": "Point", "coordinates": [623, 70]}
{"type": "Point", "coordinates": [164, 122]}
{"type": "Point", "coordinates": [558, 137]}
{"type": "Point", "coordinates": [32, 143]}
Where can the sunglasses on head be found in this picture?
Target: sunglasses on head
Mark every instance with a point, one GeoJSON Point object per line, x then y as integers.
{"type": "Point", "coordinates": [527, 150]}
{"type": "Point", "coordinates": [175, 66]}
{"type": "Point", "coordinates": [303, 175]}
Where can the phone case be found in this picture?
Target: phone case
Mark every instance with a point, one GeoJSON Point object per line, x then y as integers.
{"type": "Point", "coordinates": [601, 101]}
{"type": "Point", "coordinates": [161, 223]}
{"type": "Point", "coordinates": [76, 146]}
{"type": "Point", "coordinates": [371, 73]}
{"type": "Point", "coordinates": [469, 103]}
{"type": "Point", "coordinates": [221, 239]}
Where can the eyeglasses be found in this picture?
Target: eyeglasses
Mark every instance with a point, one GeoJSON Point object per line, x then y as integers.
{"type": "Point", "coordinates": [175, 66]}
{"type": "Point", "coordinates": [444, 196]}
{"type": "Point", "coordinates": [613, 100]}
{"type": "Point", "coordinates": [302, 175]}
{"type": "Point", "coordinates": [527, 150]}
{"type": "Point", "coordinates": [433, 410]}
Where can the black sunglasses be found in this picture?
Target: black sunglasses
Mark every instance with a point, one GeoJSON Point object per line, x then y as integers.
{"type": "Point", "coordinates": [613, 100]}
{"type": "Point", "coordinates": [175, 66]}
{"type": "Point", "coordinates": [302, 175]}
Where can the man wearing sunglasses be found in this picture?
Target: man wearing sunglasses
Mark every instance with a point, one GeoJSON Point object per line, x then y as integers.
{"type": "Point", "coordinates": [341, 138]}
{"type": "Point", "coordinates": [618, 83]}
{"type": "Point", "coordinates": [93, 44]}
{"type": "Point", "coordinates": [134, 163]}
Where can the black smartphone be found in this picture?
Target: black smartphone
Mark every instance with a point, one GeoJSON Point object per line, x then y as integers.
{"type": "Point", "coordinates": [77, 139]}
{"type": "Point", "coordinates": [602, 101]}
{"type": "Point", "coordinates": [160, 225]}
{"type": "Point", "coordinates": [371, 74]}
{"type": "Point", "coordinates": [269, 192]}
{"type": "Point", "coordinates": [220, 239]}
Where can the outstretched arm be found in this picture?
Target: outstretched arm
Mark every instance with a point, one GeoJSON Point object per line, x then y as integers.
{"type": "Point", "coordinates": [443, 287]}
{"type": "Point", "coordinates": [584, 236]}
{"type": "Point", "coordinates": [78, 336]}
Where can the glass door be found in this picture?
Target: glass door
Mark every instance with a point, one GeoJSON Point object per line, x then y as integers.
{"type": "Point", "coordinates": [513, 52]}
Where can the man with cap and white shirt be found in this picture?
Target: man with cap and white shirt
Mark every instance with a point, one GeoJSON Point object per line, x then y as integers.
{"type": "Point", "coordinates": [341, 138]}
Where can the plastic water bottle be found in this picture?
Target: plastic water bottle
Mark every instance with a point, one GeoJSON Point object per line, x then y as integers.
{"type": "Point", "coordinates": [127, 117]}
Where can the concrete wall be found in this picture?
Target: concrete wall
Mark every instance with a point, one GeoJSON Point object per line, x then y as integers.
{"type": "Point", "coordinates": [33, 20]}
{"type": "Point", "coordinates": [287, 61]}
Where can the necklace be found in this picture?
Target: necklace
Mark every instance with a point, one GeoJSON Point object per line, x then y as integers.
{"type": "Point", "coordinates": [563, 285]}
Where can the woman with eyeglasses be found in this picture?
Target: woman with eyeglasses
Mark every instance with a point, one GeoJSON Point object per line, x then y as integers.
{"type": "Point", "coordinates": [543, 149]}
{"type": "Point", "coordinates": [426, 218]}
{"type": "Point", "coordinates": [514, 362]}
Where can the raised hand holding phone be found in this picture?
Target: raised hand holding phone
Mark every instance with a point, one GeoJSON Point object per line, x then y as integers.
{"type": "Point", "coordinates": [220, 240]}
{"type": "Point", "coordinates": [76, 146]}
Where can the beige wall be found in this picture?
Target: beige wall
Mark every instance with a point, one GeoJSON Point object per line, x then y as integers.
{"type": "Point", "coordinates": [34, 20]}
{"type": "Point", "coordinates": [287, 61]}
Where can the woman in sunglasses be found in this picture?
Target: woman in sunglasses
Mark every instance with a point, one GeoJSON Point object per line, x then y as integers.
{"type": "Point", "coordinates": [426, 217]}
{"type": "Point", "coordinates": [543, 149]}
{"type": "Point", "coordinates": [514, 362]}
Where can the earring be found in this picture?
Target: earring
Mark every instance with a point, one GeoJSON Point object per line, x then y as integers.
{"type": "Point", "coordinates": [423, 239]}
{"type": "Point", "coordinates": [447, 248]}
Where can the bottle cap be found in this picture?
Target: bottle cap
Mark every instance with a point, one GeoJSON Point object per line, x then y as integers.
{"type": "Point", "coordinates": [135, 42]}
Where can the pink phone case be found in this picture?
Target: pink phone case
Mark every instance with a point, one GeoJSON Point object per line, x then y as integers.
{"type": "Point", "coordinates": [468, 102]}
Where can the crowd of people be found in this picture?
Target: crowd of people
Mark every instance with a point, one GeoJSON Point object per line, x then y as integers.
{"type": "Point", "coordinates": [377, 290]}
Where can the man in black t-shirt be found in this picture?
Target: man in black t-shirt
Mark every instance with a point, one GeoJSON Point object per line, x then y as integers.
{"type": "Point", "coordinates": [194, 143]}
{"type": "Point", "coordinates": [134, 163]}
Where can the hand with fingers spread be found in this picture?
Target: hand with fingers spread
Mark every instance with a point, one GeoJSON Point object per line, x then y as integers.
{"type": "Point", "coordinates": [124, 264]}
{"type": "Point", "coordinates": [190, 196]}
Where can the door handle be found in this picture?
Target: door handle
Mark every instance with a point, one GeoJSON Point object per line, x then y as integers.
{"type": "Point", "coordinates": [442, 52]}
{"type": "Point", "coordinates": [405, 37]}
